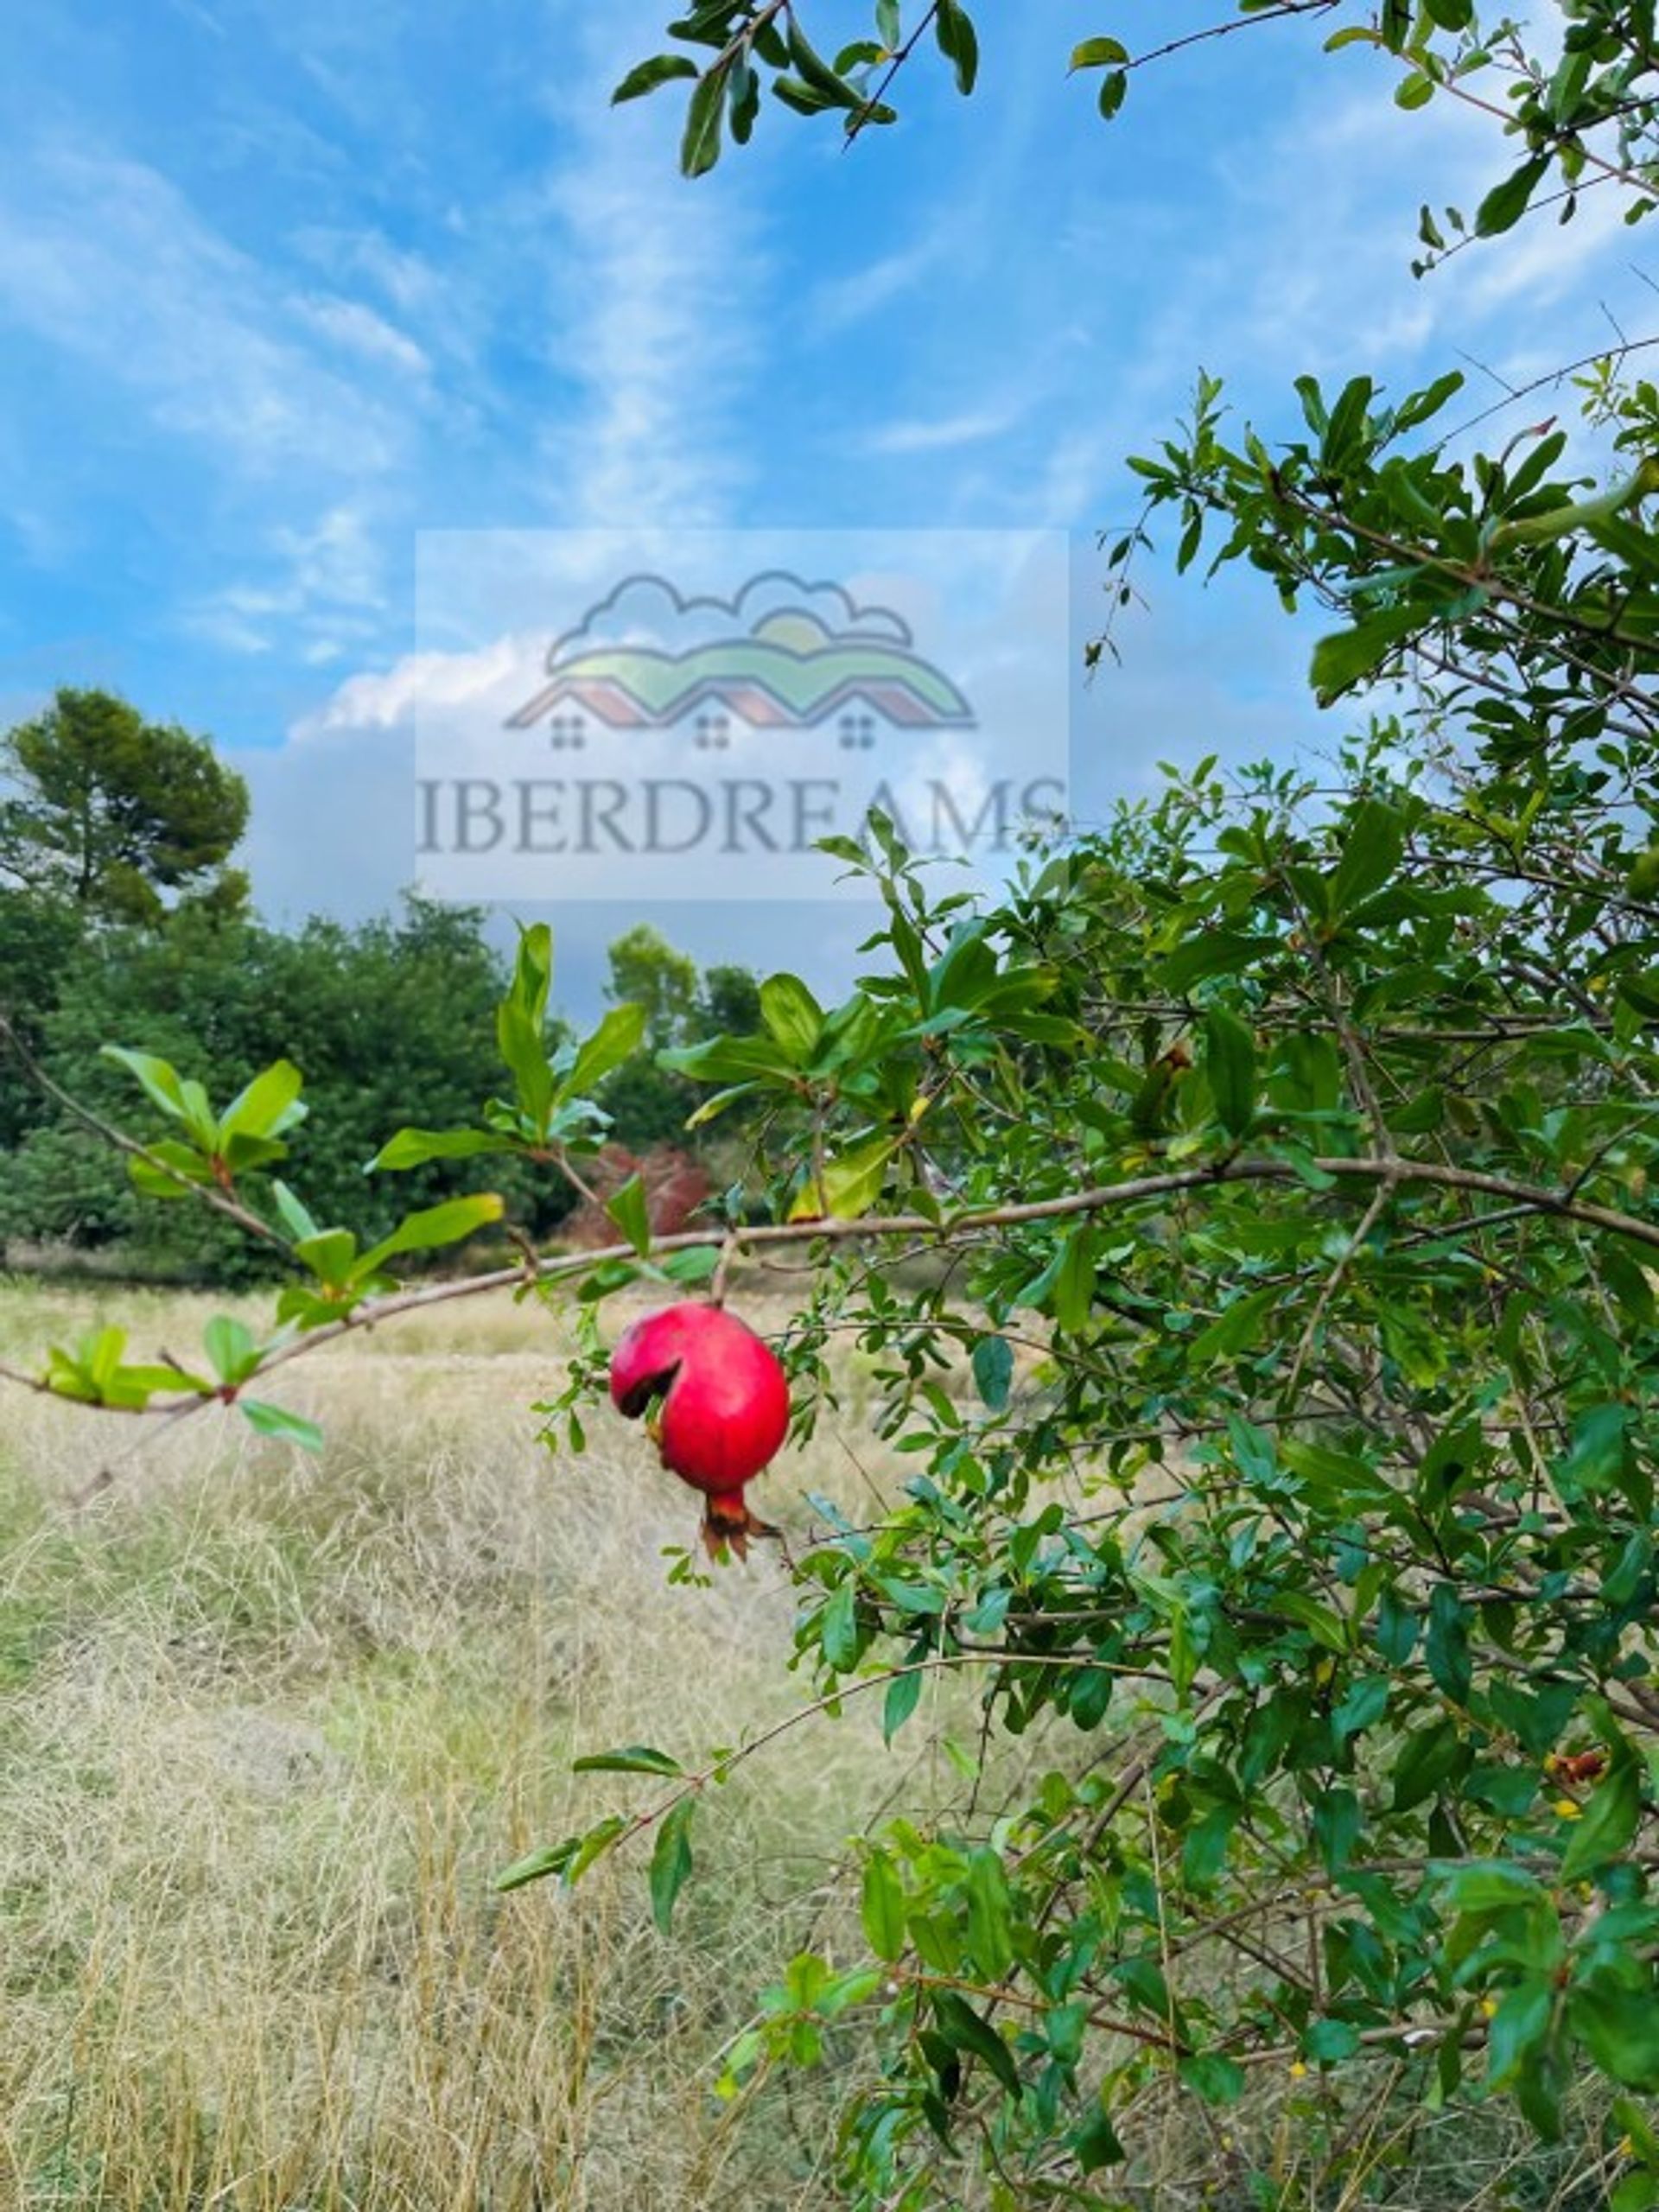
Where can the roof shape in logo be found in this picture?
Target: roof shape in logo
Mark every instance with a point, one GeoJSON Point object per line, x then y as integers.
{"type": "Point", "coordinates": [782, 654]}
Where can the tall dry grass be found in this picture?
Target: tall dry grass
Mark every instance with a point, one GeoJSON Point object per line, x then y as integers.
{"type": "Point", "coordinates": [269, 1725]}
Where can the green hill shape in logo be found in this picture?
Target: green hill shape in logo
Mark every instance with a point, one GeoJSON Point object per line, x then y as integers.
{"type": "Point", "coordinates": [791, 656]}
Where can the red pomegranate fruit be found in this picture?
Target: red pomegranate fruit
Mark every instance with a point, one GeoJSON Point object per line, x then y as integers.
{"type": "Point", "coordinates": [718, 1406]}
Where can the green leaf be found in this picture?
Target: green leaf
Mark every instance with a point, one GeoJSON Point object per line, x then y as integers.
{"type": "Point", "coordinates": [1426, 1759]}
{"type": "Point", "coordinates": [814, 71]}
{"type": "Point", "coordinates": [1520, 2024]}
{"type": "Point", "coordinates": [168, 1169]}
{"type": "Point", "coordinates": [646, 76]}
{"type": "Point", "coordinates": [628, 1210]}
{"type": "Point", "coordinates": [993, 1365]}
{"type": "Point", "coordinates": [1327, 1628]}
{"type": "Point", "coordinates": [1237, 1325]}
{"type": "Point", "coordinates": [671, 1861]}
{"type": "Point", "coordinates": [991, 1938]}
{"type": "Point", "coordinates": [1506, 203]}
{"type": "Point", "coordinates": [1597, 1457]}
{"type": "Point", "coordinates": [538, 1866]}
{"type": "Point", "coordinates": [731, 1059]}
{"type": "Point", "coordinates": [1372, 848]}
{"type": "Point", "coordinates": [1229, 1064]}
{"type": "Point", "coordinates": [958, 42]}
{"type": "Point", "coordinates": [158, 1077]}
{"type": "Point", "coordinates": [963, 2030]}
{"type": "Point", "coordinates": [286, 1427]}
{"type": "Point", "coordinates": [630, 1759]}
{"type": "Point", "coordinates": [882, 1906]}
{"type": "Point", "coordinates": [1218, 2080]}
{"type": "Point", "coordinates": [295, 1217]}
{"type": "Point", "coordinates": [267, 1107]}
{"type": "Point", "coordinates": [1097, 2142]}
{"type": "Point", "coordinates": [594, 1844]}
{"type": "Point", "coordinates": [433, 1226]}
{"type": "Point", "coordinates": [1607, 1825]}
{"type": "Point", "coordinates": [1074, 1285]}
{"type": "Point", "coordinates": [1447, 1648]}
{"type": "Point", "coordinates": [616, 1039]}
{"type": "Point", "coordinates": [1212, 952]}
{"type": "Point", "coordinates": [793, 1016]}
{"type": "Point", "coordinates": [1489, 1885]}
{"type": "Point", "coordinates": [700, 147]}
{"type": "Point", "coordinates": [903, 1694]}
{"type": "Point", "coordinates": [232, 1349]}
{"type": "Point", "coordinates": [1328, 2043]}
{"type": "Point", "coordinates": [1619, 2028]}
{"type": "Point", "coordinates": [331, 1255]}
{"type": "Point", "coordinates": [696, 1263]}
{"type": "Point", "coordinates": [712, 1108]}
{"type": "Point", "coordinates": [850, 1184]}
{"type": "Point", "coordinates": [1099, 53]}
{"type": "Point", "coordinates": [838, 1629]}
{"type": "Point", "coordinates": [414, 1147]}
{"type": "Point", "coordinates": [1346, 659]}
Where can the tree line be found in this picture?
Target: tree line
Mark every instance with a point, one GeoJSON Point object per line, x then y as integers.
{"type": "Point", "coordinates": [122, 917]}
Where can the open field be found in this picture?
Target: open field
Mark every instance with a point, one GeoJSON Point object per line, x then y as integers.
{"type": "Point", "coordinates": [269, 1725]}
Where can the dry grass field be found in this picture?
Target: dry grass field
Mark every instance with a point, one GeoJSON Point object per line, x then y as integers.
{"type": "Point", "coordinates": [270, 1723]}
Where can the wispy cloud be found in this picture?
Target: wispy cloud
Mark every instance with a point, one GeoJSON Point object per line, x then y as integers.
{"type": "Point", "coordinates": [945, 432]}
{"type": "Point", "coordinates": [106, 260]}
{"type": "Point", "coordinates": [840, 301]}
{"type": "Point", "coordinates": [405, 279]}
{"type": "Point", "coordinates": [325, 584]}
{"type": "Point", "coordinates": [655, 303]}
{"type": "Point", "coordinates": [356, 329]}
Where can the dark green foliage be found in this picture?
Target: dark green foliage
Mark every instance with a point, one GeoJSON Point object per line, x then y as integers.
{"type": "Point", "coordinates": [392, 1026]}
{"type": "Point", "coordinates": [388, 1023]}
{"type": "Point", "coordinates": [117, 816]}
{"type": "Point", "coordinates": [37, 937]}
{"type": "Point", "coordinates": [648, 1104]}
{"type": "Point", "coordinates": [1280, 1418]}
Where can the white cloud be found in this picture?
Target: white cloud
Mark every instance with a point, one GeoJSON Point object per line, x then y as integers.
{"type": "Point", "coordinates": [327, 581]}
{"type": "Point", "coordinates": [943, 433]}
{"type": "Point", "coordinates": [843, 300]}
{"type": "Point", "coordinates": [651, 309]}
{"type": "Point", "coordinates": [405, 280]}
{"type": "Point", "coordinates": [357, 329]}
{"type": "Point", "coordinates": [386, 699]}
{"type": "Point", "coordinates": [105, 259]}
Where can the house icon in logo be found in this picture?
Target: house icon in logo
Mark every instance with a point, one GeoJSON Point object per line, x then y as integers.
{"type": "Point", "coordinates": [782, 657]}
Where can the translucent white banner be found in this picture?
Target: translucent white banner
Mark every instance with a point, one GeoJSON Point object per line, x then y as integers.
{"type": "Point", "coordinates": [613, 715]}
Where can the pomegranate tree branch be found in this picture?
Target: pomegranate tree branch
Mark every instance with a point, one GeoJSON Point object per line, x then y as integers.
{"type": "Point", "coordinates": [1395, 1171]}
{"type": "Point", "coordinates": [209, 1195]}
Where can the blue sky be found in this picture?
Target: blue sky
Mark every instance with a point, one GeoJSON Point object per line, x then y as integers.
{"type": "Point", "coordinates": [284, 282]}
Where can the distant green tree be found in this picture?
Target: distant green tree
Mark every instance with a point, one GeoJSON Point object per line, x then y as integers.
{"type": "Point", "coordinates": [378, 1019]}
{"type": "Point", "coordinates": [118, 815]}
{"type": "Point", "coordinates": [646, 971]}
{"type": "Point", "coordinates": [37, 939]}
{"type": "Point", "coordinates": [730, 1002]}
{"type": "Point", "coordinates": [650, 1104]}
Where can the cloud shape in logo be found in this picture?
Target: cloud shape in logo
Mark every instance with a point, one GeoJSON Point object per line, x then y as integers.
{"type": "Point", "coordinates": [781, 654]}
{"type": "Point", "coordinates": [649, 611]}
